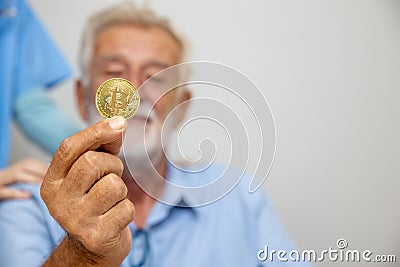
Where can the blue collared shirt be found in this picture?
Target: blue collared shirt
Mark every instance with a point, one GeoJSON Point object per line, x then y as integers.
{"type": "Point", "coordinates": [227, 232]}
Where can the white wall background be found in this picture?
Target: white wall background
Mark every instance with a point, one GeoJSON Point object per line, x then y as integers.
{"type": "Point", "coordinates": [331, 73]}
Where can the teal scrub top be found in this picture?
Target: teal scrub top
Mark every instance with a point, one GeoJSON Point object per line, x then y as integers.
{"type": "Point", "coordinates": [28, 59]}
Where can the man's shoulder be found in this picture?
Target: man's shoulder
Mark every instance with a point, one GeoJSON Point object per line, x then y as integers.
{"type": "Point", "coordinates": [211, 173]}
{"type": "Point", "coordinates": [221, 183]}
{"type": "Point", "coordinates": [17, 214]}
{"type": "Point", "coordinates": [34, 204]}
{"type": "Point", "coordinates": [25, 223]}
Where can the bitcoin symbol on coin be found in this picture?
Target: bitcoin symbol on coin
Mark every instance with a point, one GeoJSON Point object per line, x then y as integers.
{"type": "Point", "coordinates": [117, 97]}
{"type": "Point", "coordinates": [118, 102]}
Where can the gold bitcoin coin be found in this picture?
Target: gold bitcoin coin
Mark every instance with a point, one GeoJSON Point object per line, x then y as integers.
{"type": "Point", "coordinates": [117, 97]}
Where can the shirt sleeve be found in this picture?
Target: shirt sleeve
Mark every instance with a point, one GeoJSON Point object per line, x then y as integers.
{"type": "Point", "coordinates": [44, 123]}
{"type": "Point", "coordinates": [26, 238]}
{"type": "Point", "coordinates": [38, 62]}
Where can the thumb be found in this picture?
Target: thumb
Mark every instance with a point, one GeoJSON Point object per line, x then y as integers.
{"type": "Point", "coordinates": [114, 147]}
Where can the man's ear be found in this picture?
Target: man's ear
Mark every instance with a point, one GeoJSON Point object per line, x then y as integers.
{"type": "Point", "coordinates": [183, 108]}
{"type": "Point", "coordinates": [80, 94]}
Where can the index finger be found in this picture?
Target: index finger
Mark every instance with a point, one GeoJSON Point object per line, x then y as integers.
{"type": "Point", "coordinates": [106, 135]}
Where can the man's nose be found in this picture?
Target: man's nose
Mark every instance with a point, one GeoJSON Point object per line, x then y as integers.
{"type": "Point", "coordinates": [134, 78]}
{"type": "Point", "coordinates": [137, 81]}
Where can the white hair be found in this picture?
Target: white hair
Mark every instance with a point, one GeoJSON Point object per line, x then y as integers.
{"type": "Point", "coordinates": [122, 13]}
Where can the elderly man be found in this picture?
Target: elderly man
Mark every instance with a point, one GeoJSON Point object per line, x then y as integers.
{"type": "Point", "coordinates": [95, 213]}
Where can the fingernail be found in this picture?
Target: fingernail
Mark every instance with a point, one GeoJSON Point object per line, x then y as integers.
{"type": "Point", "coordinates": [117, 123]}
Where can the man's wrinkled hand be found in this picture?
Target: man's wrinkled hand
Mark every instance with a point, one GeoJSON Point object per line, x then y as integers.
{"type": "Point", "coordinates": [84, 192]}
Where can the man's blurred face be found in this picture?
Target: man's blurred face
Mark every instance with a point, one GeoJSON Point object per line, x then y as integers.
{"type": "Point", "coordinates": [136, 53]}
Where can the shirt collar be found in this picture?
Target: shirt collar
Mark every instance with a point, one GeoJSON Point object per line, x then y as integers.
{"type": "Point", "coordinates": [174, 197]}
{"type": "Point", "coordinates": [182, 188]}
{"type": "Point", "coordinates": [176, 193]}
